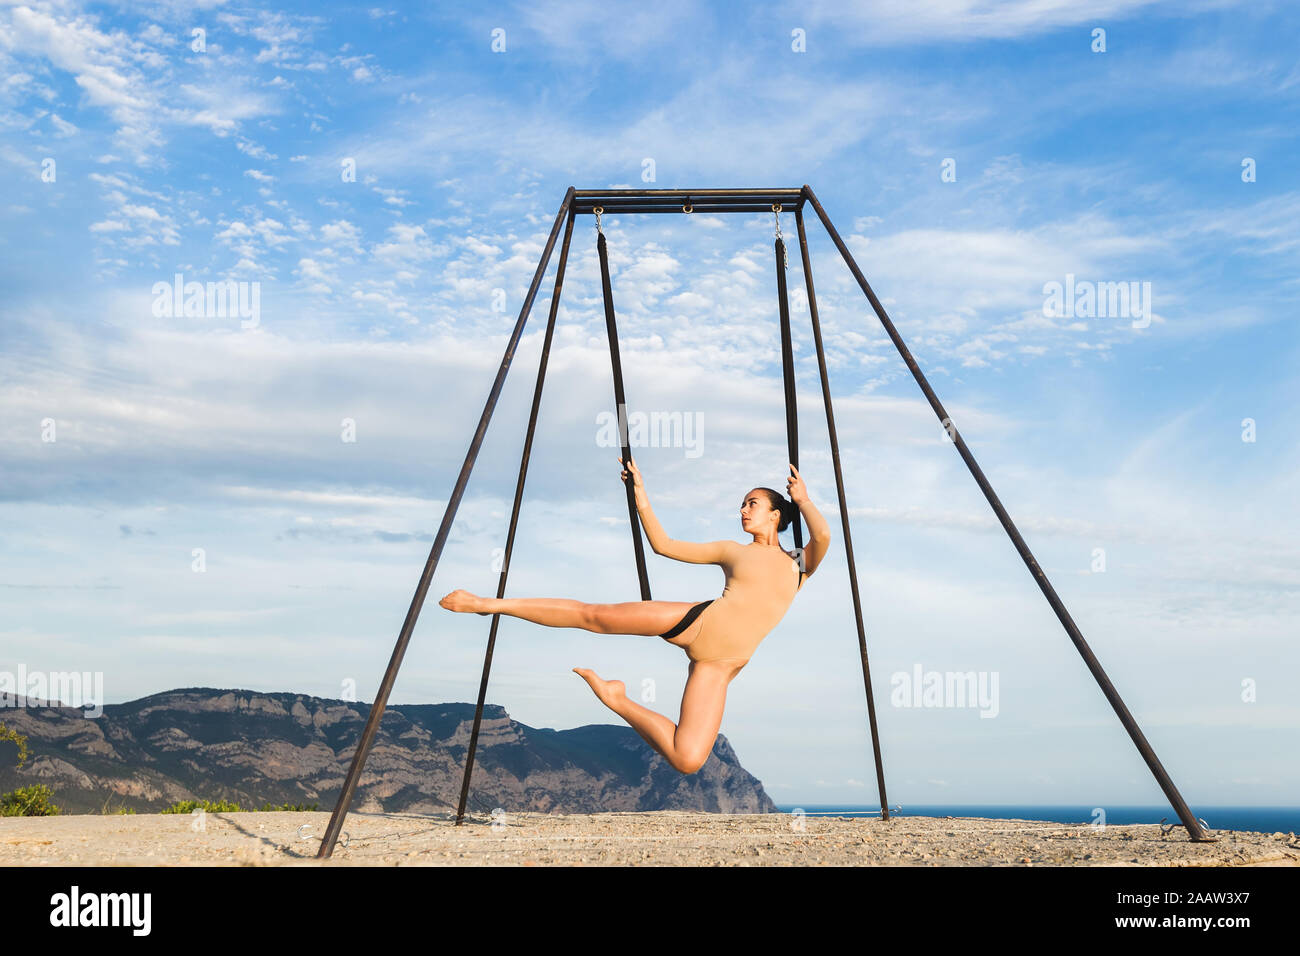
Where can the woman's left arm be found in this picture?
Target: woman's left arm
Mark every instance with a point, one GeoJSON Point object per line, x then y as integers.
{"type": "Point", "coordinates": [819, 529]}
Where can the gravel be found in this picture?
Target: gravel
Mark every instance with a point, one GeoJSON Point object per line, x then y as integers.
{"type": "Point", "coordinates": [662, 838]}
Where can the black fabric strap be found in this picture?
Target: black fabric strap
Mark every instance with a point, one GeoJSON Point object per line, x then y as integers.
{"type": "Point", "coordinates": [620, 409]}
{"type": "Point", "coordinates": [787, 371]}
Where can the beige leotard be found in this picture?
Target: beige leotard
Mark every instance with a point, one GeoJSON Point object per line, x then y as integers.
{"type": "Point", "coordinates": [762, 581]}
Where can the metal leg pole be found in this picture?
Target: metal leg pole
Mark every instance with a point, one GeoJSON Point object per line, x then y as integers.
{"type": "Point", "coordinates": [844, 514]}
{"type": "Point", "coordinates": [1153, 762]}
{"type": "Point", "coordinates": [408, 625]}
{"type": "Point", "coordinates": [514, 518]}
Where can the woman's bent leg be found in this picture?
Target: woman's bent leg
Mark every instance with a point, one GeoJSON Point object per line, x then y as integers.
{"type": "Point", "coordinates": [687, 744]}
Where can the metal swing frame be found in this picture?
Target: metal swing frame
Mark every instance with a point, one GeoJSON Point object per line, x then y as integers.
{"type": "Point", "coordinates": [683, 201]}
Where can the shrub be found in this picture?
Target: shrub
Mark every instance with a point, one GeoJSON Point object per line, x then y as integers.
{"type": "Point", "coordinates": [208, 806]}
{"type": "Point", "coordinates": [33, 801]}
{"type": "Point", "coordinates": [225, 806]}
{"type": "Point", "coordinates": [18, 739]}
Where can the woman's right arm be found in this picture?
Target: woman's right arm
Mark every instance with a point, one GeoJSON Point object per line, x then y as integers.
{"type": "Point", "coordinates": [654, 531]}
{"type": "Point", "coordinates": [705, 552]}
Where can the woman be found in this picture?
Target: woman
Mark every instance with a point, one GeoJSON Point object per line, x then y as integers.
{"type": "Point", "coordinates": [719, 636]}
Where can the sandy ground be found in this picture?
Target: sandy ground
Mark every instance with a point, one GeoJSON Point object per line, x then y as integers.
{"type": "Point", "coordinates": [620, 839]}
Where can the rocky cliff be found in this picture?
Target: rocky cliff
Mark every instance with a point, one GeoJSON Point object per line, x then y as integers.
{"type": "Point", "coordinates": [254, 748]}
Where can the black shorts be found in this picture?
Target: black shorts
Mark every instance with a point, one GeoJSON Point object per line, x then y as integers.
{"type": "Point", "coordinates": [686, 620]}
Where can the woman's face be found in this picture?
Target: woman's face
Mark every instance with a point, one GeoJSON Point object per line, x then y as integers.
{"type": "Point", "coordinates": [756, 511]}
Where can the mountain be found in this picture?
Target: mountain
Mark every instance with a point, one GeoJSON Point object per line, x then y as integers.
{"type": "Point", "coordinates": [253, 748]}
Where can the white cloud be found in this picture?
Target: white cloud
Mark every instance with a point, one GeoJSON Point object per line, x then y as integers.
{"type": "Point", "coordinates": [102, 64]}
{"type": "Point", "coordinates": [61, 126]}
{"type": "Point", "coordinates": [315, 276]}
{"type": "Point", "coordinates": [129, 77]}
{"type": "Point", "coordinates": [406, 243]}
{"type": "Point", "coordinates": [253, 149]}
{"type": "Point", "coordinates": [877, 22]}
{"type": "Point", "coordinates": [342, 233]}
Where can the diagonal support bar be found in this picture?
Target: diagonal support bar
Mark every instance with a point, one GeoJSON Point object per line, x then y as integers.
{"type": "Point", "coordinates": [1197, 834]}
{"type": "Point", "coordinates": [417, 602]}
{"type": "Point", "coordinates": [844, 512]}
{"type": "Point", "coordinates": [514, 518]}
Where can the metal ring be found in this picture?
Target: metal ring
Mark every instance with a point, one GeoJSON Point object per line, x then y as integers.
{"type": "Point", "coordinates": [776, 207]}
{"type": "Point", "coordinates": [687, 207]}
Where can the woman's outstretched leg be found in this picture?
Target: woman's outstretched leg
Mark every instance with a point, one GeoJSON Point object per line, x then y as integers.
{"type": "Point", "coordinates": [628, 617]}
{"type": "Point", "coordinates": [553, 612]}
{"type": "Point", "coordinates": [687, 744]}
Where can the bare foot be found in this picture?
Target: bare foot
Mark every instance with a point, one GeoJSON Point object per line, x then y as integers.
{"type": "Point", "coordinates": [462, 600]}
{"type": "Point", "coordinates": [608, 691]}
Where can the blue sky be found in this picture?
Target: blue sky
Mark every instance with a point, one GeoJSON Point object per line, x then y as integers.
{"type": "Point", "coordinates": [388, 301]}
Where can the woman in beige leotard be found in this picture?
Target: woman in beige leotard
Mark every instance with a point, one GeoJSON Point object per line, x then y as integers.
{"type": "Point", "coordinates": [718, 636]}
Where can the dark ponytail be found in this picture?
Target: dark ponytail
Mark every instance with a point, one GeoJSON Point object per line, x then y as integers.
{"type": "Point", "coordinates": [788, 509]}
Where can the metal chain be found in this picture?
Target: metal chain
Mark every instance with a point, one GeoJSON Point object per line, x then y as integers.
{"type": "Point", "coordinates": [598, 210]}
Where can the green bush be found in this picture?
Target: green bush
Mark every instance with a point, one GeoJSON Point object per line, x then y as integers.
{"type": "Point", "coordinates": [18, 739]}
{"type": "Point", "coordinates": [208, 806]}
{"type": "Point", "coordinates": [225, 806]}
{"type": "Point", "coordinates": [33, 801]}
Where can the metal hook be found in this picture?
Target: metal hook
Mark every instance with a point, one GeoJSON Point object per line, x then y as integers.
{"type": "Point", "coordinates": [785, 252]}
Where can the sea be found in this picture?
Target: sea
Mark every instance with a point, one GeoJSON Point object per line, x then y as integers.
{"type": "Point", "coordinates": [1260, 819]}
